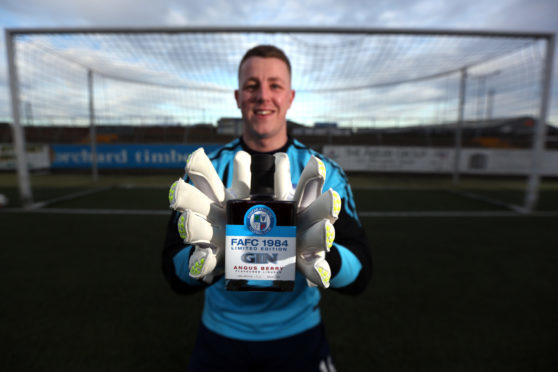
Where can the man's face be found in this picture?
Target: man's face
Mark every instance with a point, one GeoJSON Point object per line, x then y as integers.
{"type": "Point", "coordinates": [264, 96]}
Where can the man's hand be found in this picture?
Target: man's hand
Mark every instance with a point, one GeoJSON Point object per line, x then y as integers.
{"type": "Point", "coordinates": [203, 219]}
{"type": "Point", "coordinates": [316, 213]}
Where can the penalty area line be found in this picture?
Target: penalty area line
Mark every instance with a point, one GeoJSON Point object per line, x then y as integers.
{"type": "Point", "coordinates": [42, 204]}
{"type": "Point", "coordinates": [133, 212]}
{"type": "Point", "coordinates": [444, 214]}
{"type": "Point", "coordinates": [364, 214]}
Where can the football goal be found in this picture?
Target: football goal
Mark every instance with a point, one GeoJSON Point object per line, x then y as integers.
{"type": "Point", "coordinates": [362, 82]}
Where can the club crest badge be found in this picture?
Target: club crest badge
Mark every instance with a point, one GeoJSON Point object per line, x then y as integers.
{"type": "Point", "coordinates": [260, 219]}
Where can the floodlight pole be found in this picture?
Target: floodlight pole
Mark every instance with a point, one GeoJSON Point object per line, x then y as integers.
{"type": "Point", "coordinates": [24, 183]}
{"type": "Point", "coordinates": [489, 105]}
{"type": "Point", "coordinates": [481, 91]}
{"type": "Point", "coordinates": [458, 129]}
{"type": "Point", "coordinates": [92, 129]}
{"type": "Point", "coordinates": [539, 136]}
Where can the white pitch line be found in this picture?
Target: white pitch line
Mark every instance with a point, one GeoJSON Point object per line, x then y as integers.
{"type": "Point", "coordinates": [498, 203]}
{"type": "Point", "coordinates": [75, 195]}
{"type": "Point", "coordinates": [458, 214]}
{"type": "Point", "coordinates": [364, 214]}
{"type": "Point", "coordinates": [136, 212]}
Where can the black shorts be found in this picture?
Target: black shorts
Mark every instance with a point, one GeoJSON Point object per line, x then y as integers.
{"type": "Point", "coordinates": [306, 352]}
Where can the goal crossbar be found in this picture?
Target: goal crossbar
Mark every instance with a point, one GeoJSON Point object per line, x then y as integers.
{"type": "Point", "coordinates": [544, 89]}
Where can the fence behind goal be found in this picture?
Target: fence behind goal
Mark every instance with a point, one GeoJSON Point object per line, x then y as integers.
{"type": "Point", "coordinates": [380, 89]}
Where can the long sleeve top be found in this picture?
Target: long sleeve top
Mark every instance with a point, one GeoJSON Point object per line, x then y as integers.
{"type": "Point", "coordinates": [261, 316]}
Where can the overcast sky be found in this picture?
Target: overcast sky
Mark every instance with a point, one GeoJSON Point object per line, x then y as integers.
{"type": "Point", "coordinates": [502, 15]}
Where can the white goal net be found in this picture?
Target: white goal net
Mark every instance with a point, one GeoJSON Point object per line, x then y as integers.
{"type": "Point", "coordinates": [353, 79]}
{"type": "Point", "coordinates": [356, 79]}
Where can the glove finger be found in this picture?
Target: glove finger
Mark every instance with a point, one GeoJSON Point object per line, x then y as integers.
{"type": "Point", "coordinates": [310, 183]}
{"type": "Point", "coordinates": [315, 268]}
{"type": "Point", "coordinates": [283, 184]}
{"type": "Point", "coordinates": [202, 262]}
{"type": "Point", "coordinates": [184, 196]}
{"type": "Point", "coordinates": [194, 228]}
{"type": "Point", "coordinates": [318, 237]}
{"type": "Point", "coordinates": [240, 186]}
{"type": "Point", "coordinates": [211, 277]}
{"type": "Point", "coordinates": [203, 175]}
{"type": "Point", "coordinates": [327, 205]}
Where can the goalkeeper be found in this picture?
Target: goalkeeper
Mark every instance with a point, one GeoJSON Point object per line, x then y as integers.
{"type": "Point", "coordinates": [264, 331]}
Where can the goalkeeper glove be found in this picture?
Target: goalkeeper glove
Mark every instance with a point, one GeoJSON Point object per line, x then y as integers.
{"type": "Point", "coordinates": [316, 213]}
{"type": "Point", "coordinates": [202, 222]}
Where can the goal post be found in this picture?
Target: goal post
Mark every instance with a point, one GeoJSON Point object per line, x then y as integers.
{"type": "Point", "coordinates": [18, 135]}
{"type": "Point", "coordinates": [371, 82]}
{"type": "Point", "coordinates": [539, 140]}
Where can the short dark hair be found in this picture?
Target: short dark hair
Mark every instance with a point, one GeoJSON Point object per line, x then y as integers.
{"type": "Point", "coordinates": [265, 51]}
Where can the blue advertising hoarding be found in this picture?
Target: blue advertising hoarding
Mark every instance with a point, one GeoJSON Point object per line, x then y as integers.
{"type": "Point", "coordinates": [124, 156]}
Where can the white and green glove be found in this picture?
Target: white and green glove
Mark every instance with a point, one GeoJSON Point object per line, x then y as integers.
{"type": "Point", "coordinates": [203, 219]}
{"type": "Point", "coordinates": [316, 213]}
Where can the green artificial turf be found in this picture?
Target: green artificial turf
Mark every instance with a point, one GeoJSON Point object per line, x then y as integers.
{"type": "Point", "coordinates": [86, 293]}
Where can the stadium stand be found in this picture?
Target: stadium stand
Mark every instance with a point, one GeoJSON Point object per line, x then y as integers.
{"type": "Point", "coordinates": [501, 133]}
